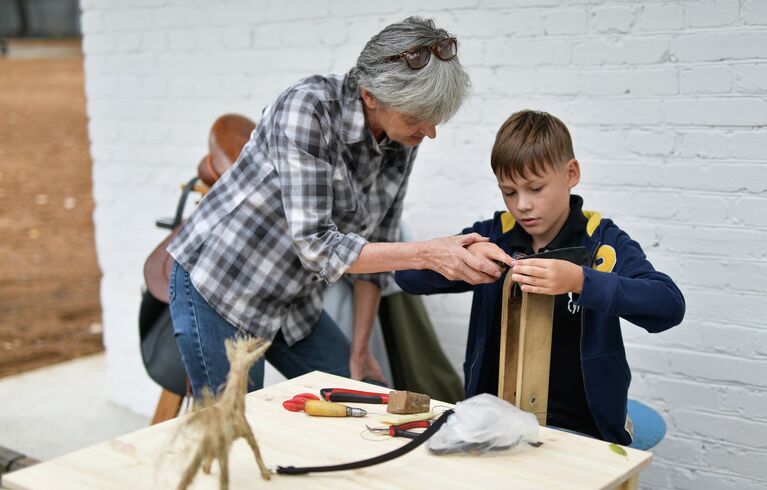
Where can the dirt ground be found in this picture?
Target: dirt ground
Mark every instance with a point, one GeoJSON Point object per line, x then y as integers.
{"type": "Point", "coordinates": [49, 276]}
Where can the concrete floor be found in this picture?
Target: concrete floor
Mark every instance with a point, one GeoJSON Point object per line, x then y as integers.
{"type": "Point", "coordinates": [41, 48]}
{"type": "Point", "coordinates": [58, 409]}
{"type": "Point", "coordinates": [55, 410]}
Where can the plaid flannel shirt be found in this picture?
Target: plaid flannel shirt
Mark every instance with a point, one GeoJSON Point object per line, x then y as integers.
{"type": "Point", "coordinates": [308, 191]}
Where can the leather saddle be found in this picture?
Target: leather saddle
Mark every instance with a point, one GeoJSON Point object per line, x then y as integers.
{"type": "Point", "coordinates": [228, 135]}
{"type": "Point", "coordinates": [159, 350]}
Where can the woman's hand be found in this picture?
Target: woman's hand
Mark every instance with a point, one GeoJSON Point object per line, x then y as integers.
{"type": "Point", "coordinates": [491, 251]}
{"type": "Point", "coordinates": [547, 276]}
{"type": "Point", "coordinates": [449, 257]}
{"type": "Point", "coordinates": [363, 365]}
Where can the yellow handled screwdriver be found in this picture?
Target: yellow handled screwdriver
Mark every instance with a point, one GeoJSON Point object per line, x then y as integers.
{"type": "Point", "coordinates": [321, 408]}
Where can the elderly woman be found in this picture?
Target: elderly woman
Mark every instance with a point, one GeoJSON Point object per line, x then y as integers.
{"type": "Point", "coordinates": [317, 193]}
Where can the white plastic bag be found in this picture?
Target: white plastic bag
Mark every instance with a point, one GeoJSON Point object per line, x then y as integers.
{"type": "Point", "coordinates": [484, 423]}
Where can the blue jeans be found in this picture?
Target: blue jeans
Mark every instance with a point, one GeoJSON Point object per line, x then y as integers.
{"type": "Point", "coordinates": [200, 333]}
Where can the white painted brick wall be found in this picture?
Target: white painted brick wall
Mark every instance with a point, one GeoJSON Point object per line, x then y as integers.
{"type": "Point", "coordinates": [666, 103]}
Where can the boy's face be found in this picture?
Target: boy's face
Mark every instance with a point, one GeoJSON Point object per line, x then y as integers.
{"type": "Point", "coordinates": [541, 204]}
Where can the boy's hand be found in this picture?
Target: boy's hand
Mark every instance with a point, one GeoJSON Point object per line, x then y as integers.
{"type": "Point", "coordinates": [491, 251]}
{"type": "Point", "coordinates": [547, 276]}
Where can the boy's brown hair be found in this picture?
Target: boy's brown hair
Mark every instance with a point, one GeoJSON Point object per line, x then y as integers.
{"type": "Point", "coordinates": [528, 142]}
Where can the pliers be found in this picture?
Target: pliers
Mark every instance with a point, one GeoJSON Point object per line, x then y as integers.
{"type": "Point", "coordinates": [402, 430]}
{"type": "Point", "coordinates": [296, 404]}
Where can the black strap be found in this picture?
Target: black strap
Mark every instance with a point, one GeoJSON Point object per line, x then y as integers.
{"type": "Point", "coordinates": [182, 201]}
{"type": "Point", "coordinates": [176, 220]}
{"type": "Point", "coordinates": [292, 470]}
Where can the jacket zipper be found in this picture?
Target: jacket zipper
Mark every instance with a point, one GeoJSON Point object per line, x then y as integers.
{"type": "Point", "coordinates": [471, 370]}
{"type": "Point", "coordinates": [583, 374]}
{"type": "Point", "coordinates": [580, 350]}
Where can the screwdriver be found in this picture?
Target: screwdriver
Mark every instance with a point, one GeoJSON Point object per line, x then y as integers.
{"type": "Point", "coordinates": [321, 408]}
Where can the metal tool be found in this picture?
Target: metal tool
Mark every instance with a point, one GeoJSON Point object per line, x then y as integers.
{"type": "Point", "coordinates": [402, 430]}
{"type": "Point", "coordinates": [576, 255]}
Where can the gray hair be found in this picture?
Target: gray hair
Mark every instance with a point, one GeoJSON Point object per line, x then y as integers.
{"type": "Point", "coordinates": [433, 93]}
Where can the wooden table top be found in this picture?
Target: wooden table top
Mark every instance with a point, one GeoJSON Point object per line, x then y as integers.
{"type": "Point", "coordinates": [148, 459]}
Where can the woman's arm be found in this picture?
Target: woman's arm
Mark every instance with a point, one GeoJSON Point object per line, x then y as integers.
{"type": "Point", "coordinates": [300, 158]}
{"type": "Point", "coordinates": [362, 364]}
{"type": "Point", "coordinates": [446, 255]}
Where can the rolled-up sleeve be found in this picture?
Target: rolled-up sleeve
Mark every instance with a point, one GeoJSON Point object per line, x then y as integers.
{"type": "Point", "coordinates": [300, 157]}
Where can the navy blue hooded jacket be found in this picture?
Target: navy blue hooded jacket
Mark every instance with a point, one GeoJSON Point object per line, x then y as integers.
{"type": "Point", "coordinates": [621, 282]}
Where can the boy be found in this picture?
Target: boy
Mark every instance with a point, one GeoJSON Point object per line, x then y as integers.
{"type": "Point", "coordinates": [534, 163]}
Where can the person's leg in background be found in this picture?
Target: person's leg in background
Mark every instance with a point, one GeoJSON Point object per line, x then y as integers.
{"type": "Point", "coordinates": [325, 349]}
{"type": "Point", "coordinates": [200, 333]}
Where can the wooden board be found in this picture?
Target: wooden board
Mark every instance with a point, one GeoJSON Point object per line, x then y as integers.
{"type": "Point", "coordinates": [147, 459]}
{"type": "Point", "coordinates": [525, 355]}
{"type": "Point", "coordinates": [510, 315]}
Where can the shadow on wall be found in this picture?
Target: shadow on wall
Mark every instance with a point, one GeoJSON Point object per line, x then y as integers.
{"type": "Point", "coordinates": [39, 18]}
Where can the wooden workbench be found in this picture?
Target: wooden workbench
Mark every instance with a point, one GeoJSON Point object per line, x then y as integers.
{"type": "Point", "coordinates": [146, 459]}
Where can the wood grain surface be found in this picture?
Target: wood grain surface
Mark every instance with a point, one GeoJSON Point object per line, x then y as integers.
{"type": "Point", "coordinates": [148, 459]}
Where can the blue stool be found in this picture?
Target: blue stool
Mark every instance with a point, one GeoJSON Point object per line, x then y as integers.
{"type": "Point", "coordinates": [649, 427]}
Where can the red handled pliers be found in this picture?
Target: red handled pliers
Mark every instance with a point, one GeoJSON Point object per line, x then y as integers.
{"type": "Point", "coordinates": [296, 404]}
{"type": "Point", "coordinates": [402, 430]}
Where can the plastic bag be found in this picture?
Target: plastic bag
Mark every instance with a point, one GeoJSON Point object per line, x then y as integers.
{"type": "Point", "coordinates": [485, 423]}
